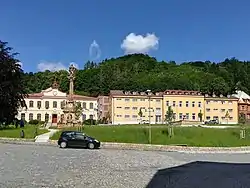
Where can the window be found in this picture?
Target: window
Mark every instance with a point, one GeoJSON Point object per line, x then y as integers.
{"type": "Point", "coordinates": [91, 116]}
{"type": "Point", "coordinates": [134, 108]}
{"type": "Point", "coordinates": [142, 99]}
{"type": "Point", "coordinates": [208, 118]}
{"type": "Point", "coordinates": [208, 109]}
{"type": "Point", "coordinates": [126, 100]}
{"type": "Point", "coordinates": [208, 102]}
{"type": "Point", "coordinates": [134, 100]}
{"type": "Point", "coordinates": [47, 104]}
{"type": "Point", "coordinates": [134, 116]}
{"type": "Point", "coordinates": [174, 103]}
{"type": "Point", "coordinates": [38, 117]}
{"type": "Point", "coordinates": [39, 104]}
{"type": "Point", "coordinates": [158, 109]}
{"type": "Point", "coordinates": [23, 116]}
{"type": "Point", "coordinates": [118, 99]}
{"type": "Point", "coordinates": [230, 102]}
{"type": "Point", "coordinates": [62, 104]}
{"type": "Point", "coordinates": [167, 103]}
{"type": "Point", "coordinates": [118, 115]}
{"type": "Point", "coordinates": [158, 100]}
{"type": "Point", "coordinates": [31, 104]}
{"type": "Point", "coordinates": [126, 116]}
{"type": "Point", "coordinates": [180, 103]}
{"type": "Point", "coordinates": [242, 107]}
{"type": "Point", "coordinates": [222, 102]}
{"type": "Point", "coordinates": [223, 110]}
{"type": "Point", "coordinates": [46, 117]}
{"type": "Point", "coordinates": [91, 106]}
{"type": "Point", "coordinates": [84, 105]}
{"type": "Point", "coordinates": [230, 110]}
{"type": "Point", "coordinates": [187, 115]}
{"type": "Point", "coordinates": [187, 103]}
{"type": "Point", "coordinates": [30, 116]}
{"type": "Point", "coordinates": [193, 104]}
{"type": "Point", "coordinates": [118, 107]}
{"type": "Point", "coordinates": [84, 117]}
{"type": "Point", "coordinates": [193, 116]}
{"type": "Point", "coordinates": [54, 104]}
{"type": "Point", "coordinates": [174, 116]}
{"type": "Point", "coordinates": [199, 104]}
{"type": "Point", "coordinates": [127, 108]}
{"type": "Point", "coordinates": [230, 118]}
{"type": "Point", "coordinates": [180, 115]}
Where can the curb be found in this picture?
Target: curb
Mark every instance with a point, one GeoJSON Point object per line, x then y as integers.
{"type": "Point", "coordinates": [138, 147]}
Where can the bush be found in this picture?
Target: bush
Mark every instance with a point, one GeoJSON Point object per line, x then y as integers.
{"type": "Point", "coordinates": [34, 122]}
{"type": "Point", "coordinates": [89, 122]}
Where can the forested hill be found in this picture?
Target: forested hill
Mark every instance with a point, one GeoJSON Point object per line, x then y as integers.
{"type": "Point", "coordinates": [141, 72]}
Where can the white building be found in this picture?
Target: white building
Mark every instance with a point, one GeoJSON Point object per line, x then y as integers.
{"type": "Point", "coordinates": [47, 106]}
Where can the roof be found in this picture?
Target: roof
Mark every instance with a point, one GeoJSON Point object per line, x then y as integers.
{"type": "Point", "coordinates": [220, 97]}
{"type": "Point", "coordinates": [182, 92]}
{"type": "Point", "coordinates": [82, 97]}
{"type": "Point", "coordinates": [241, 95]}
{"type": "Point", "coordinates": [135, 93]}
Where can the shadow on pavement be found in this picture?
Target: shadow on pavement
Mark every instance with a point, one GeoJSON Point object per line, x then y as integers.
{"type": "Point", "coordinates": [203, 175]}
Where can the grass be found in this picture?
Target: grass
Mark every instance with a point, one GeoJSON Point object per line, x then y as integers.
{"type": "Point", "coordinates": [29, 132]}
{"type": "Point", "coordinates": [192, 136]}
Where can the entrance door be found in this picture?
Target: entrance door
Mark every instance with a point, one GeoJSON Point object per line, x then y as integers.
{"type": "Point", "coordinates": [54, 118]}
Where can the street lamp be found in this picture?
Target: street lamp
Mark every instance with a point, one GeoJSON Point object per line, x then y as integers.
{"type": "Point", "coordinates": [150, 131]}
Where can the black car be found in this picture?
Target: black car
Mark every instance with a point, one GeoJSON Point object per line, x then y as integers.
{"type": "Point", "coordinates": [77, 139]}
{"type": "Point", "coordinates": [214, 121]}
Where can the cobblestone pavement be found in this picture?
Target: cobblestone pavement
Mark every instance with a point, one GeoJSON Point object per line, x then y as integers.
{"type": "Point", "coordinates": [31, 166]}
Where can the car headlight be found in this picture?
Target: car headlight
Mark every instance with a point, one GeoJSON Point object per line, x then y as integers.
{"type": "Point", "coordinates": [96, 140]}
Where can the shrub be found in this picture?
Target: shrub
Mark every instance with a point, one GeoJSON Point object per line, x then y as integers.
{"type": "Point", "coordinates": [89, 122]}
{"type": "Point", "coordinates": [34, 122]}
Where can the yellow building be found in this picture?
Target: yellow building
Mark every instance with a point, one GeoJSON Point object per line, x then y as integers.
{"type": "Point", "coordinates": [186, 105]}
{"type": "Point", "coordinates": [125, 107]}
{"type": "Point", "coordinates": [221, 108]}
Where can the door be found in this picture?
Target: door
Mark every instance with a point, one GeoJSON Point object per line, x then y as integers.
{"type": "Point", "coordinates": [54, 118]}
{"type": "Point", "coordinates": [80, 140]}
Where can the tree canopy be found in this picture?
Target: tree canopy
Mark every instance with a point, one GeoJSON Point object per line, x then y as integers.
{"type": "Point", "coordinates": [140, 72]}
{"type": "Point", "coordinates": [12, 90]}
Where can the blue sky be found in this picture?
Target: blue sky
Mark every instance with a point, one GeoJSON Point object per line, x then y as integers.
{"type": "Point", "coordinates": [54, 33]}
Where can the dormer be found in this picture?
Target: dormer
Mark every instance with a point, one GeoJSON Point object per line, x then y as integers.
{"type": "Point", "coordinates": [126, 92]}
{"type": "Point", "coordinates": [142, 93]}
{"type": "Point", "coordinates": [206, 95]}
{"type": "Point", "coordinates": [221, 95]}
{"type": "Point", "coordinates": [228, 96]}
{"type": "Point", "coordinates": [135, 93]}
{"type": "Point", "coordinates": [213, 95]}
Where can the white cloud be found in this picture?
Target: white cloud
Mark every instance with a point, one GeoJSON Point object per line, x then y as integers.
{"type": "Point", "coordinates": [140, 44]}
{"type": "Point", "coordinates": [53, 66]}
{"type": "Point", "coordinates": [94, 51]}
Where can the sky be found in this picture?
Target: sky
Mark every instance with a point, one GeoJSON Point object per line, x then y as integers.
{"type": "Point", "coordinates": [52, 34]}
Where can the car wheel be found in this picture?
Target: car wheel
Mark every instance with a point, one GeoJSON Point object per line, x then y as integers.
{"type": "Point", "coordinates": [63, 145]}
{"type": "Point", "coordinates": [91, 146]}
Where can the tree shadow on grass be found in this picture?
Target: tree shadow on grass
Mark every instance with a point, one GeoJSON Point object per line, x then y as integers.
{"type": "Point", "coordinates": [203, 175]}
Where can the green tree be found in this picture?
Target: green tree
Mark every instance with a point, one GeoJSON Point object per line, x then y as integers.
{"type": "Point", "coordinates": [12, 90]}
{"type": "Point", "coordinates": [78, 111]}
{"type": "Point", "coordinates": [169, 117]}
{"type": "Point", "coordinates": [200, 115]}
{"type": "Point", "coordinates": [140, 114]}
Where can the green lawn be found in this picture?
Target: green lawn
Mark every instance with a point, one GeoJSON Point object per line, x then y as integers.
{"type": "Point", "coordinates": [29, 132]}
{"type": "Point", "coordinates": [190, 136]}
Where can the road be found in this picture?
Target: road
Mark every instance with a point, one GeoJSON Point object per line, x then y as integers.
{"type": "Point", "coordinates": [30, 166]}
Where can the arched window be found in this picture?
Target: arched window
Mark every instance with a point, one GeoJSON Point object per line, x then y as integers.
{"type": "Point", "coordinates": [91, 106]}
{"type": "Point", "coordinates": [38, 117]}
{"type": "Point", "coordinates": [30, 116]}
{"type": "Point", "coordinates": [31, 104]}
{"type": "Point", "coordinates": [54, 104]}
{"type": "Point", "coordinates": [47, 104]}
{"type": "Point", "coordinates": [84, 105]}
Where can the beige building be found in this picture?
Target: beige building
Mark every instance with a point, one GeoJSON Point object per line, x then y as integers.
{"type": "Point", "coordinates": [47, 106]}
{"type": "Point", "coordinates": [221, 108]}
{"type": "Point", "coordinates": [125, 107]}
{"type": "Point", "coordinates": [186, 105]}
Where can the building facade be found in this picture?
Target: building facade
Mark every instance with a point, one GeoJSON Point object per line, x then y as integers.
{"type": "Point", "coordinates": [103, 107]}
{"type": "Point", "coordinates": [48, 106]}
{"type": "Point", "coordinates": [136, 107]}
{"type": "Point", "coordinates": [186, 105]}
{"type": "Point", "coordinates": [243, 104]}
{"type": "Point", "coordinates": [224, 109]}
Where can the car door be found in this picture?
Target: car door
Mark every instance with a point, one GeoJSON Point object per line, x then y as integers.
{"type": "Point", "coordinates": [81, 140]}
{"type": "Point", "coordinates": [72, 142]}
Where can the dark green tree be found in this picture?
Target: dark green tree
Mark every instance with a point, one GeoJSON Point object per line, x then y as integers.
{"type": "Point", "coordinates": [12, 90]}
